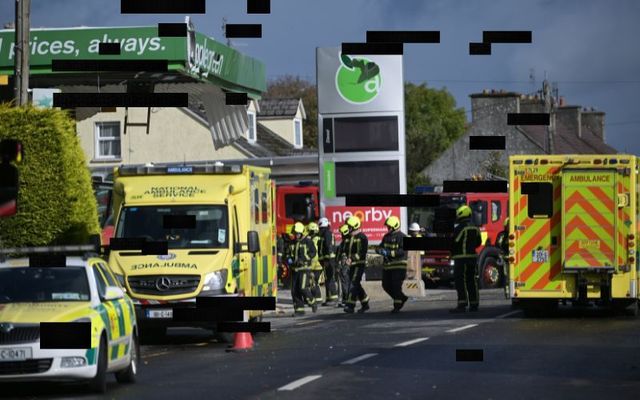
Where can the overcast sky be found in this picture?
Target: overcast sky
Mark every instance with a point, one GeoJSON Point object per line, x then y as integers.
{"type": "Point", "coordinates": [590, 47]}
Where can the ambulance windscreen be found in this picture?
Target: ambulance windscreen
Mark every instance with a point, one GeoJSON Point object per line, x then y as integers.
{"type": "Point", "coordinates": [30, 285]}
{"type": "Point", "coordinates": [210, 229]}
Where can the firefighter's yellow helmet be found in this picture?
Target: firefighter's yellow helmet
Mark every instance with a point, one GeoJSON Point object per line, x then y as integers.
{"type": "Point", "coordinates": [463, 212]}
{"type": "Point", "coordinates": [313, 227]}
{"type": "Point", "coordinates": [506, 222]}
{"type": "Point", "coordinates": [298, 227]}
{"type": "Point", "coordinates": [392, 222]}
{"type": "Point", "coordinates": [354, 222]}
{"type": "Point", "coordinates": [344, 229]}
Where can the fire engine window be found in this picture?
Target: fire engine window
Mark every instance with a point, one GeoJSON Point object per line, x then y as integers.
{"type": "Point", "coordinates": [539, 199]}
{"type": "Point", "coordinates": [479, 208]}
{"type": "Point", "coordinates": [265, 218]}
{"type": "Point", "coordinates": [295, 205]}
{"type": "Point", "coordinates": [256, 206]}
{"type": "Point", "coordinates": [496, 210]}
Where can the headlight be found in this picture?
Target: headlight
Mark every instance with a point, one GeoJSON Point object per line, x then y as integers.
{"type": "Point", "coordinates": [215, 280]}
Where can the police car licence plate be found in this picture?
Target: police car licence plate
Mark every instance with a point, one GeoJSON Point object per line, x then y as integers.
{"type": "Point", "coordinates": [162, 313]}
{"type": "Point", "coordinates": [15, 354]}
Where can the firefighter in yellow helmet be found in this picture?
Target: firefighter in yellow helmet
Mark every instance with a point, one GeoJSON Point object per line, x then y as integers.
{"type": "Point", "coordinates": [303, 252]}
{"type": "Point", "coordinates": [356, 251]}
{"type": "Point", "coordinates": [466, 238]}
{"type": "Point", "coordinates": [316, 267]}
{"type": "Point", "coordinates": [342, 272]}
{"type": "Point", "coordinates": [395, 262]}
{"type": "Point", "coordinates": [327, 256]}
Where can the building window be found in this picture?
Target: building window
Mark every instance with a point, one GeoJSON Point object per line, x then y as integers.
{"type": "Point", "coordinates": [107, 139]}
{"type": "Point", "coordinates": [251, 134]}
{"type": "Point", "coordinates": [297, 132]}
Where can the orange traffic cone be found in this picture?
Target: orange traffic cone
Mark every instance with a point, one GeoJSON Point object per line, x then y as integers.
{"type": "Point", "coordinates": [242, 342]}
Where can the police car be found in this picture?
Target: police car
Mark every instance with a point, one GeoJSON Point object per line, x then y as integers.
{"type": "Point", "coordinates": [64, 284]}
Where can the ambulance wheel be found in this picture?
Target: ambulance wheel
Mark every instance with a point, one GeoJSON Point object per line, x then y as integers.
{"type": "Point", "coordinates": [98, 384]}
{"type": "Point", "coordinates": [491, 276]}
{"type": "Point", "coordinates": [128, 375]}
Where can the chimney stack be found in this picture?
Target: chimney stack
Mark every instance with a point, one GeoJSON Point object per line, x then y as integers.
{"type": "Point", "coordinates": [570, 117]}
{"type": "Point", "coordinates": [593, 120]}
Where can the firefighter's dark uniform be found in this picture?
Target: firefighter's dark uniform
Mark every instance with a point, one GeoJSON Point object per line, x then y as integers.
{"type": "Point", "coordinates": [394, 269]}
{"type": "Point", "coordinates": [356, 250]}
{"type": "Point", "coordinates": [502, 242]}
{"type": "Point", "coordinates": [466, 237]}
{"type": "Point", "coordinates": [302, 253]}
{"type": "Point", "coordinates": [316, 269]}
{"type": "Point", "coordinates": [327, 256]}
{"type": "Point", "coordinates": [342, 271]}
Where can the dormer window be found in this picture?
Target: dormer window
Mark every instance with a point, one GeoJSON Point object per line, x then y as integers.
{"type": "Point", "coordinates": [297, 133]}
{"type": "Point", "coordinates": [251, 133]}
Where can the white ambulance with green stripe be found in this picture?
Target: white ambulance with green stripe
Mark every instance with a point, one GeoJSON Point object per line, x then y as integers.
{"type": "Point", "coordinates": [227, 247]}
{"type": "Point", "coordinates": [81, 290]}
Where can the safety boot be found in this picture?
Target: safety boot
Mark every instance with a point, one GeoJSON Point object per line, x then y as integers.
{"type": "Point", "coordinates": [364, 308]}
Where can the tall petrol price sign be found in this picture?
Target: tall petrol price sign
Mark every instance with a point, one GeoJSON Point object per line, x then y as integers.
{"type": "Point", "coordinates": [360, 135]}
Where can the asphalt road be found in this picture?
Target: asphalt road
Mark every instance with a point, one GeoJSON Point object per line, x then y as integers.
{"type": "Point", "coordinates": [378, 355]}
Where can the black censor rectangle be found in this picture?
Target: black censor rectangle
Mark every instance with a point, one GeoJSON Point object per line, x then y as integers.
{"type": "Point", "coordinates": [243, 30]}
{"type": "Point", "coordinates": [109, 49]}
{"type": "Point", "coordinates": [480, 49]}
{"type": "Point", "coordinates": [65, 335]}
{"type": "Point", "coordinates": [238, 303]}
{"type": "Point", "coordinates": [244, 327]}
{"type": "Point", "coordinates": [487, 143]}
{"type": "Point", "coordinates": [392, 200]}
{"type": "Point", "coordinates": [403, 36]}
{"type": "Point", "coordinates": [506, 36]}
{"type": "Point", "coordinates": [372, 48]}
{"type": "Point", "coordinates": [47, 260]}
{"type": "Point", "coordinates": [73, 100]}
{"type": "Point", "coordinates": [258, 6]}
{"type": "Point", "coordinates": [427, 243]}
{"type": "Point", "coordinates": [236, 99]}
{"type": "Point", "coordinates": [110, 65]}
{"type": "Point", "coordinates": [528, 119]}
{"type": "Point", "coordinates": [155, 248]}
{"type": "Point", "coordinates": [179, 222]}
{"type": "Point", "coordinates": [126, 243]}
{"type": "Point", "coordinates": [172, 29]}
{"type": "Point", "coordinates": [469, 355]}
{"type": "Point", "coordinates": [195, 314]}
{"type": "Point", "coordinates": [163, 7]}
{"type": "Point", "coordinates": [475, 186]}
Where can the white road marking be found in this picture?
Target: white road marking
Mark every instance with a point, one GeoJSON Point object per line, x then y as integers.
{"type": "Point", "coordinates": [410, 342]}
{"type": "Point", "coordinates": [302, 381]}
{"type": "Point", "coordinates": [311, 321]}
{"type": "Point", "coordinates": [462, 328]}
{"type": "Point", "coordinates": [508, 314]}
{"type": "Point", "coordinates": [359, 358]}
{"type": "Point", "coordinates": [155, 354]}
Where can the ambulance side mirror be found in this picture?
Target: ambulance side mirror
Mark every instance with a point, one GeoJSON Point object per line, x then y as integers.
{"type": "Point", "coordinates": [253, 242]}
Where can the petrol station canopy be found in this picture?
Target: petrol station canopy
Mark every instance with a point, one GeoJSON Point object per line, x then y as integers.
{"type": "Point", "coordinates": [197, 64]}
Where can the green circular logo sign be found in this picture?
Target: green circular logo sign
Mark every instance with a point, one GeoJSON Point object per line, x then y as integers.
{"type": "Point", "coordinates": [358, 80]}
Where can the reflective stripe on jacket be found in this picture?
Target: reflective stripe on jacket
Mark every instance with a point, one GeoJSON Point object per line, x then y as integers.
{"type": "Point", "coordinates": [466, 238]}
{"type": "Point", "coordinates": [392, 242]}
{"type": "Point", "coordinates": [315, 261]}
{"type": "Point", "coordinates": [303, 253]}
{"type": "Point", "coordinates": [327, 245]}
{"type": "Point", "coordinates": [357, 249]}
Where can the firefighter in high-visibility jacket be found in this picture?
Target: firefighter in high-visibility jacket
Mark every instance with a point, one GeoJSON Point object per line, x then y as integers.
{"type": "Point", "coordinates": [302, 255]}
{"type": "Point", "coordinates": [316, 267]}
{"type": "Point", "coordinates": [356, 251]}
{"type": "Point", "coordinates": [395, 262]}
{"type": "Point", "coordinates": [466, 238]}
{"type": "Point", "coordinates": [342, 269]}
{"type": "Point", "coordinates": [326, 248]}
{"type": "Point", "coordinates": [502, 242]}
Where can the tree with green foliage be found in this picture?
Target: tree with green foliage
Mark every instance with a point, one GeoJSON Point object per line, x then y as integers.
{"type": "Point", "coordinates": [56, 203]}
{"type": "Point", "coordinates": [289, 86]}
{"type": "Point", "coordinates": [432, 124]}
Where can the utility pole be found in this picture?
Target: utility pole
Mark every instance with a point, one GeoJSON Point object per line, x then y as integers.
{"type": "Point", "coordinates": [549, 107]}
{"type": "Point", "coordinates": [21, 52]}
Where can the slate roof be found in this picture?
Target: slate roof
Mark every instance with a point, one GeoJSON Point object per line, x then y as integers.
{"type": "Point", "coordinates": [281, 107]}
{"type": "Point", "coordinates": [566, 141]}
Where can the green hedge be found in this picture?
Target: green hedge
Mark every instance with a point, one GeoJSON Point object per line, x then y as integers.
{"type": "Point", "coordinates": [56, 204]}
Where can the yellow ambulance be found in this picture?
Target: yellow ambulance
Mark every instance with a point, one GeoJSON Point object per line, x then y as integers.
{"type": "Point", "coordinates": [573, 230]}
{"type": "Point", "coordinates": [228, 250]}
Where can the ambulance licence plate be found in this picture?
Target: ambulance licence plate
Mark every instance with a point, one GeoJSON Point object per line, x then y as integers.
{"type": "Point", "coordinates": [15, 354]}
{"type": "Point", "coordinates": [161, 313]}
{"type": "Point", "coordinates": [540, 256]}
